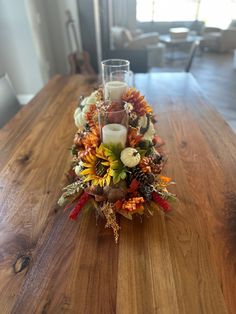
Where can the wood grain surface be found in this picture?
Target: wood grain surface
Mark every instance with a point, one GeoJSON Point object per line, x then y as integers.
{"type": "Point", "coordinates": [183, 262]}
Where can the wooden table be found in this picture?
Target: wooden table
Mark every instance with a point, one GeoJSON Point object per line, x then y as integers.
{"type": "Point", "coordinates": [184, 262]}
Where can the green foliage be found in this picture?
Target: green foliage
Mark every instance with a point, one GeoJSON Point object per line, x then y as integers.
{"type": "Point", "coordinates": [141, 151]}
{"type": "Point", "coordinates": [145, 144]}
{"type": "Point", "coordinates": [146, 147]}
{"type": "Point", "coordinates": [113, 150]}
{"type": "Point", "coordinates": [74, 150]}
{"type": "Point", "coordinates": [119, 170]}
{"type": "Point", "coordinates": [119, 173]}
{"type": "Point", "coordinates": [167, 195]}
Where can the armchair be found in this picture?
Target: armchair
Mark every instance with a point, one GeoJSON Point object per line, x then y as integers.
{"type": "Point", "coordinates": [220, 40]}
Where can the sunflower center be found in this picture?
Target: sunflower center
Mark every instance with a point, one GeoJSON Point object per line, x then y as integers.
{"type": "Point", "coordinates": [100, 169]}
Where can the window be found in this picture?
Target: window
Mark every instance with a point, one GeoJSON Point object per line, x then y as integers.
{"type": "Point", "coordinates": [166, 10]}
{"type": "Point", "coordinates": [217, 13]}
{"type": "Point", "coordinates": [214, 13]}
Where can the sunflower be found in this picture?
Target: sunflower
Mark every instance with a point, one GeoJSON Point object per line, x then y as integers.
{"type": "Point", "coordinates": [98, 167]}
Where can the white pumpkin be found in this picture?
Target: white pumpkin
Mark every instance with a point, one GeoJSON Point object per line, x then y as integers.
{"type": "Point", "coordinates": [130, 157]}
{"type": "Point", "coordinates": [79, 115]}
{"type": "Point", "coordinates": [77, 170]}
{"type": "Point", "coordinates": [92, 99]}
{"type": "Point", "coordinates": [79, 118]}
{"type": "Point", "coordinates": [86, 108]}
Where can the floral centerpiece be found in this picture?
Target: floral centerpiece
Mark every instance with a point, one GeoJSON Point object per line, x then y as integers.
{"type": "Point", "coordinates": [117, 156]}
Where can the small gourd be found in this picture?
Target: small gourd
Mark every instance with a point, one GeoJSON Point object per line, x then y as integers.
{"type": "Point", "coordinates": [79, 118]}
{"type": "Point", "coordinates": [130, 157]}
{"type": "Point", "coordinates": [77, 170]}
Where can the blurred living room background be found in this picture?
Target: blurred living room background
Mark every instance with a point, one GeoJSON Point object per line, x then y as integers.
{"type": "Point", "coordinates": [42, 38]}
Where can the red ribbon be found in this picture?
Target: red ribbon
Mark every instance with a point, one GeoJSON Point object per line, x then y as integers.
{"type": "Point", "coordinates": [161, 202]}
{"type": "Point", "coordinates": [82, 201]}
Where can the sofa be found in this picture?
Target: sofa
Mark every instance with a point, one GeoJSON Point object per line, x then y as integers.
{"type": "Point", "coordinates": [134, 46]}
{"type": "Point", "coordinates": [122, 38]}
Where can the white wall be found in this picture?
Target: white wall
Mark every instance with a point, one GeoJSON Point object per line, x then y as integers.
{"type": "Point", "coordinates": [41, 39]}
{"type": "Point", "coordinates": [17, 53]}
{"type": "Point", "coordinates": [56, 19]}
{"type": "Point", "coordinates": [33, 41]}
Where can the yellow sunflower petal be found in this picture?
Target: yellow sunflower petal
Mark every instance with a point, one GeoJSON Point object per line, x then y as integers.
{"type": "Point", "coordinates": [87, 165]}
{"type": "Point", "coordinates": [87, 171]}
{"type": "Point", "coordinates": [108, 180]}
{"type": "Point", "coordinates": [105, 163]}
{"type": "Point", "coordinates": [91, 158]}
{"type": "Point", "coordinates": [101, 156]}
{"type": "Point", "coordinates": [87, 179]}
{"type": "Point", "coordinates": [95, 182]}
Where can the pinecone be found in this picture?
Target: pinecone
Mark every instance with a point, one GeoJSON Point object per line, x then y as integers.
{"type": "Point", "coordinates": [157, 163]}
{"type": "Point", "coordinates": [142, 177]}
{"type": "Point", "coordinates": [157, 168]}
{"type": "Point", "coordinates": [146, 191]}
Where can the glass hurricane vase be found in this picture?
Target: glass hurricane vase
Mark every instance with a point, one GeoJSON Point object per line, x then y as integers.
{"type": "Point", "coordinates": [113, 122]}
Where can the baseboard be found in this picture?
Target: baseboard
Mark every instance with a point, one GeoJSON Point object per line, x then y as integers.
{"type": "Point", "coordinates": [24, 98]}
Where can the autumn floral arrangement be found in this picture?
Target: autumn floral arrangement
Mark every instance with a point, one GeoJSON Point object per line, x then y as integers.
{"type": "Point", "coordinates": [117, 157]}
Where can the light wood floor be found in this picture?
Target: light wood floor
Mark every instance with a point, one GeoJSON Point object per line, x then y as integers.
{"type": "Point", "coordinates": [215, 74]}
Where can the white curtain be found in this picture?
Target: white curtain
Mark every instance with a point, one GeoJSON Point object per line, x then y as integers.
{"type": "Point", "coordinates": [217, 13]}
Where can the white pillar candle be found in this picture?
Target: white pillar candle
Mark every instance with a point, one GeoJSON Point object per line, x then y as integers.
{"type": "Point", "coordinates": [115, 89]}
{"type": "Point", "coordinates": [114, 134]}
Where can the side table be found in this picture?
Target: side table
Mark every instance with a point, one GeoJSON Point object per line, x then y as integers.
{"type": "Point", "coordinates": [156, 55]}
{"type": "Point", "coordinates": [177, 45]}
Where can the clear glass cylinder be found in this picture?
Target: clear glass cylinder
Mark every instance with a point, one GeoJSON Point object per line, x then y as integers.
{"type": "Point", "coordinates": [113, 121]}
{"type": "Point", "coordinates": [115, 78]}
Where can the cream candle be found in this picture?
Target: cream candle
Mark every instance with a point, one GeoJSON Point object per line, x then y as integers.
{"type": "Point", "coordinates": [114, 134]}
{"type": "Point", "coordinates": [115, 89]}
